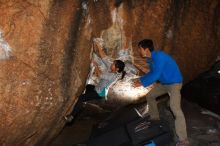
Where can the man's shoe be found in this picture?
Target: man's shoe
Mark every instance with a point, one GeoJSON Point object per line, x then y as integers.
{"type": "Point", "coordinates": [80, 144]}
{"type": "Point", "coordinates": [182, 143]}
{"type": "Point", "coordinates": [69, 118]}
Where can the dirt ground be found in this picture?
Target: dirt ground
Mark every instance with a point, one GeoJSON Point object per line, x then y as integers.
{"type": "Point", "coordinates": [203, 126]}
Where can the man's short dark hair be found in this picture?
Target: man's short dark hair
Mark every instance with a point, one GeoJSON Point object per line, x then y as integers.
{"type": "Point", "coordinates": [146, 43]}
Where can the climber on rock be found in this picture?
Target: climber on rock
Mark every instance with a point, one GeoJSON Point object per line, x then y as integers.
{"type": "Point", "coordinates": [111, 72]}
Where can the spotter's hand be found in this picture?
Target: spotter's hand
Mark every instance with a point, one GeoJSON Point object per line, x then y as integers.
{"type": "Point", "coordinates": [136, 83]}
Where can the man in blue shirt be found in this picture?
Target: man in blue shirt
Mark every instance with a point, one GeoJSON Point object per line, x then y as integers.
{"type": "Point", "coordinates": [165, 73]}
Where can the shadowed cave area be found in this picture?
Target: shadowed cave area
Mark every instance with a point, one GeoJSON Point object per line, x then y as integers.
{"type": "Point", "coordinates": [46, 48]}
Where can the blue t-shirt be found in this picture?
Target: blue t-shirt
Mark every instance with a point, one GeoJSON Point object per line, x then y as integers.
{"type": "Point", "coordinates": [163, 68]}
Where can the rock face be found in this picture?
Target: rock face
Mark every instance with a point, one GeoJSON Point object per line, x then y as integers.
{"type": "Point", "coordinates": [45, 49]}
{"type": "Point", "coordinates": [205, 89]}
{"type": "Point", "coordinates": [46, 69]}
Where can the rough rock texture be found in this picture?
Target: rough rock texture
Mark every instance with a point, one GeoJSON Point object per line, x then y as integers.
{"type": "Point", "coordinates": [45, 72]}
{"type": "Point", "coordinates": [50, 47]}
{"type": "Point", "coordinates": [205, 89]}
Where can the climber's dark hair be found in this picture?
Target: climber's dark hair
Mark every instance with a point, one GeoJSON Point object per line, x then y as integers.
{"type": "Point", "coordinates": [120, 65]}
{"type": "Point", "coordinates": [146, 43]}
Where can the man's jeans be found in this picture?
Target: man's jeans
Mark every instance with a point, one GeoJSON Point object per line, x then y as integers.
{"type": "Point", "coordinates": [175, 104]}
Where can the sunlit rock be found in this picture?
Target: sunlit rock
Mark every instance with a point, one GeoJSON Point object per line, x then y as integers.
{"type": "Point", "coordinates": [123, 91]}
{"type": "Point", "coordinates": [46, 67]}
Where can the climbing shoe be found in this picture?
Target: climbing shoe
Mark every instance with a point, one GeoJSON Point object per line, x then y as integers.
{"type": "Point", "coordinates": [69, 118]}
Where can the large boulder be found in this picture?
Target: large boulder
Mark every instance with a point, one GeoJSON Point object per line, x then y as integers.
{"type": "Point", "coordinates": [45, 50]}
{"type": "Point", "coordinates": [44, 72]}
{"type": "Point", "coordinates": [205, 89]}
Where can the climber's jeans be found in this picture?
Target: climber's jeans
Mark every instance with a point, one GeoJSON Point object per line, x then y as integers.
{"type": "Point", "coordinates": [89, 95]}
{"type": "Point", "coordinates": [173, 91]}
